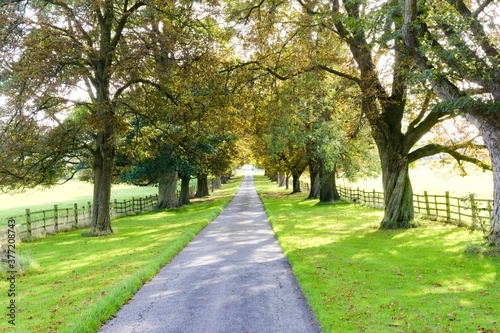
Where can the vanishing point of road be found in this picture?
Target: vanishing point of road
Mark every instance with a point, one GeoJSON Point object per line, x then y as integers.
{"type": "Point", "coordinates": [233, 277]}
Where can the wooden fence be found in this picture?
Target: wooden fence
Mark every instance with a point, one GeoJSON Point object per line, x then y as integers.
{"type": "Point", "coordinates": [370, 198]}
{"type": "Point", "coordinates": [35, 224]}
{"type": "Point", "coordinates": [467, 210]}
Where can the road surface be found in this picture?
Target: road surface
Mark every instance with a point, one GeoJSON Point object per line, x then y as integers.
{"type": "Point", "coordinates": [233, 277]}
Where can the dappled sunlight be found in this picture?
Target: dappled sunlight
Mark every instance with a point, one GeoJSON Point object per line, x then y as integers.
{"type": "Point", "coordinates": [413, 280]}
{"type": "Point", "coordinates": [64, 285]}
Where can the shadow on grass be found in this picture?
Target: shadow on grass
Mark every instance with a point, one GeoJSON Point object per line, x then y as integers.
{"type": "Point", "coordinates": [77, 274]}
{"type": "Point", "coordinates": [360, 278]}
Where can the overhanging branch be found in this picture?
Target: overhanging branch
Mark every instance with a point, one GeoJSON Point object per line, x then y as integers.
{"type": "Point", "coordinates": [434, 149]}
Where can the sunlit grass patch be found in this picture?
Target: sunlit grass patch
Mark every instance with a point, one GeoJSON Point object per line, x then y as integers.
{"type": "Point", "coordinates": [65, 196]}
{"type": "Point", "coordinates": [362, 279]}
{"type": "Point", "coordinates": [82, 281]}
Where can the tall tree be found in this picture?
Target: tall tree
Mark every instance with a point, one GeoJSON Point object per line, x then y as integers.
{"type": "Point", "coordinates": [371, 32]}
{"type": "Point", "coordinates": [455, 45]}
{"type": "Point", "coordinates": [70, 46]}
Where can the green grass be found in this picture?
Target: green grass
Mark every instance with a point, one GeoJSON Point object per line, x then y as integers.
{"type": "Point", "coordinates": [79, 282]}
{"type": "Point", "coordinates": [362, 279]}
{"type": "Point", "coordinates": [65, 196]}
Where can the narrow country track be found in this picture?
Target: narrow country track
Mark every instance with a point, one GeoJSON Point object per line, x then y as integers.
{"type": "Point", "coordinates": [233, 277]}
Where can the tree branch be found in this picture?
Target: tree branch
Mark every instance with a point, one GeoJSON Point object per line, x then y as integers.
{"type": "Point", "coordinates": [434, 149]}
{"type": "Point", "coordinates": [344, 75]}
{"type": "Point", "coordinates": [72, 15]}
{"type": "Point", "coordinates": [123, 20]}
{"type": "Point", "coordinates": [148, 82]}
{"type": "Point", "coordinates": [423, 110]}
{"type": "Point", "coordinates": [251, 9]}
{"type": "Point", "coordinates": [481, 8]}
{"type": "Point", "coordinates": [475, 161]}
{"type": "Point", "coordinates": [475, 27]}
{"type": "Point", "coordinates": [443, 87]}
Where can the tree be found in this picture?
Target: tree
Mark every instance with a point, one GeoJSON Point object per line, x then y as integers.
{"type": "Point", "coordinates": [32, 153]}
{"type": "Point", "coordinates": [455, 47]}
{"type": "Point", "coordinates": [224, 158]}
{"type": "Point", "coordinates": [70, 46]}
{"type": "Point", "coordinates": [371, 31]}
{"type": "Point", "coordinates": [146, 157]}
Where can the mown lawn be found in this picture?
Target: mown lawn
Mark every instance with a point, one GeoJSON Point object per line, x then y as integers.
{"type": "Point", "coordinates": [78, 282]}
{"type": "Point", "coordinates": [362, 279]}
{"type": "Point", "coordinates": [65, 196]}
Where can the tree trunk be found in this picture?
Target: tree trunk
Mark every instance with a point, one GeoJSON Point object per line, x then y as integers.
{"type": "Point", "coordinates": [167, 191]}
{"type": "Point", "coordinates": [100, 223]}
{"type": "Point", "coordinates": [314, 190]}
{"type": "Point", "coordinates": [328, 190]}
{"type": "Point", "coordinates": [184, 194]}
{"type": "Point", "coordinates": [217, 182]}
{"type": "Point", "coordinates": [273, 177]}
{"type": "Point", "coordinates": [226, 177]}
{"type": "Point", "coordinates": [281, 179]}
{"type": "Point", "coordinates": [296, 182]}
{"type": "Point", "coordinates": [489, 127]}
{"type": "Point", "coordinates": [202, 186]}
{"type": "Point", "coordinates": [398, 192]}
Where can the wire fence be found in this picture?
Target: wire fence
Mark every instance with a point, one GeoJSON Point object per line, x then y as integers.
{"type": "Point", "coordinates": [467, 210]}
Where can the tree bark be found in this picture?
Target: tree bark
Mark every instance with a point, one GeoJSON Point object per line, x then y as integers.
{"type": "Point", "coordinates": [296, 182]}
{"type": "Point", "coordinates": [281, 179]}
{"type": "Point", "coordinates": [167, 191]}
{"type": "Point", "coordinates": [398, 192]}
{"type": "Point", "coordinates": [328, 186]}
{"type": "Point", "coordinates": [184, 194]}
{"type": "Point", "coordinates": [217, 182]}
{"type": "Point", "coordinates": [314, 173]}
{"type": "Point", "coordinates": [487, 121]}
{"type": "Point", "coordinates": [489, 127]}
{"type": "Point", "coordinates": [202, 186]}
{"type": "Point", "coordinates": [100, 223]}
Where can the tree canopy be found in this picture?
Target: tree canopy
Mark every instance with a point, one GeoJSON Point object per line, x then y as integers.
{"type": "Point", "coordinates": [147, 92]}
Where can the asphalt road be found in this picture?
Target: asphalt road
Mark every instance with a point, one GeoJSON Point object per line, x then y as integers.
{"type": "Point", "coordinates": [233, 277]}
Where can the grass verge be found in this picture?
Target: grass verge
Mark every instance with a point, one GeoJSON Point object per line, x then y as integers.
{"type": "Point", "coordinates": [80, 282]}
{"type": "Point", "coordinates": [362, 279]}
{"type": "Point", "coordinates": [65, 196]}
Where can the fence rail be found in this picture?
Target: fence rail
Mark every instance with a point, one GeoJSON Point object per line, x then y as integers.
{"type": "Point", "coordinates": [35, 224]}
{"type": "Point", "coordinates": [467, 210]}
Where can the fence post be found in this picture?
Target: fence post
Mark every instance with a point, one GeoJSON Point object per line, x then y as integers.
{"type": "Point", "coordinates": [56, 220]}
{"type": "Point", "coordinates": [44, 222]}
{"type": "Point", "coordinates": [473, 208]}
{"type": "Point", "coordinates": [448, 208]}
{"type": "Point", "coordinates": [89, 210]}
{"type": "Point", "coordinates": [76, 215]}
{"type": "Point", "coordinates": [459, 211]}
{"type": "Point", "coordinates": [28, 221]}
{"type": "Point", "coordinates": [67, 216]}
{"type": "Point", "coordinates": [427, 207]}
